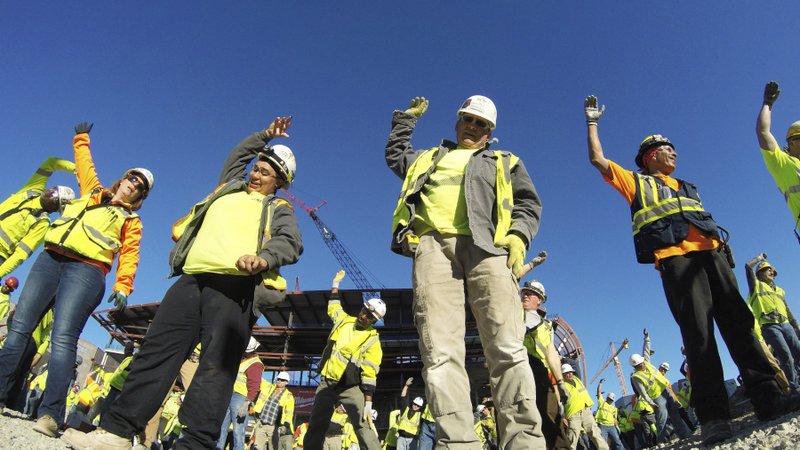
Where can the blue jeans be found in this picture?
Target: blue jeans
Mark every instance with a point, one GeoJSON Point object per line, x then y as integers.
{"type": "Point", "coordinates": [666, 406]}
{"type": "Point", "coordinates": [610, 431]}
{"type": "Point", "coordinates": [76, 289]}
{"type": "Point", "coordinates": [237, 400]}
{"type": "Point", "coordinates": [783, 340]}
{"type": "Point", "coordinates": [427, 435]}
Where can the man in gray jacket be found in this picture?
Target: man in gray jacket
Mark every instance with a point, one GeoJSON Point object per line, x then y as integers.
{"type": "Point", "coordinates": [229, 246]}
{"type": "Point", "coordinates": [467, 214]}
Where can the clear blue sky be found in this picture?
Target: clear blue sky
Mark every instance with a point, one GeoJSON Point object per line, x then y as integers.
{"type": "Point", "coordinates": [173, 86]}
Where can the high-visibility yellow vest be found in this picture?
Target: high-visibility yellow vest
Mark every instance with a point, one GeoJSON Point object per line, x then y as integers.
{"type": "Point", "coordinates": [655, 382]}
{"type": "Point", "coordinates": [347, 344]}
{"type": "Point", "coordinates": [578, 399]}
{"type": "Point", "coordinates": [768, 304]}
{"type": "Point", "coordinates": [18, 214]}
{"type": "Point", "coordinates": [5, 305]}
{"type": "Point", "coordinates": [426, 414]}
{"type": "Point", "coordinates": [240, 385]}
{"type": "Point", "coordinates": [538, 340]}
{"type": "Point", "coordinates": [285, 402]}
{"type": "Point", "coordinates": [414, 182]}
{"type": "Point", "coordinates": [641, 407]}
{"type": "Point", "coordinates": [409, 425]}
{"type": "Point", "coordinates": [40, 381]}
{"type": "Point", "coordinates": [121, 374]}
{"type": "Point", "coordinates": [300, 434]}
{"type": "Point", "coordinates": [93, 232]}
{"type": "Point", "coordinates": [391, 434]}
{"type": "Point", "coordinates": [624, 420]}
{"type": "Point", "coordinates": [606, 413]}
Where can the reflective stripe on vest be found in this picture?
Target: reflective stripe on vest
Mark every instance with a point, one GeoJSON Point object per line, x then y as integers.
{"type": "Point", "coordinates": [240, 385]}
{"type": "Point", "coordinates": [337, 362]}
{"type": "Point", "coordinates": [410, 426]}
{"type": "Point", "coordinates": [606, 413]}
{"type": "Point", "coordinates": [772, 302]}
{"type": "Point", "coordinates": [418, 174]}
{"type": "Point", "coordinates": [16, 221]}
{"type": "Point", "coordinates": [578, 397]}
{"type": "Point", "coordinates": [539, 339]}
{"type": "Point", "coordinates": [660, 216]}
{"type": "Point", "coordinates": [793, 188]}
{"type": "Point", "coordinates": [654, 384]}
{"type": "Point", "coordinates": [93, 231]}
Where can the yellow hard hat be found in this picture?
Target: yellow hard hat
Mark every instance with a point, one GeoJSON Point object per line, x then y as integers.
{"type": "Point", "coordinates": [794, 130]}
{"type": "Point", "coordinates": [765, 264]}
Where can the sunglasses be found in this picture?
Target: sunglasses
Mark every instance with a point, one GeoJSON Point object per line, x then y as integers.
{"type": "Point", "coordinates": [136, 182]}
{"type": "Point", "coordinates": [478, 122]}
{"type": "Point", "coordinates": [794, 138]}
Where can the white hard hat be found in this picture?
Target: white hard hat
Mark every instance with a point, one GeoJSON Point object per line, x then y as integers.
{"type": "Point", "coordinates": [664, 365]}
{"type": "Point", "coordinates": [536, 287]}
{"type": "Point", "coordinates": [566, 368]}
{"type": "Point", "coordinates": [479, 409]}
{"type": "Point", "coordinates": [377, 307]}
{"type": "Point", "coordinates": [252, 345]}
{"type": "Point", "coordinates": [283, 376]}
{"type": "Point", "coordinates": [611, 396]}
{"type": "Point", "coordinates": [636, 359]}
{"type": "Point", "coordinates": [480, 106]}
{"type": "Point", "coordinates": [281, 158]}
{"type": "Point", "coordinates": [419, 401]}
{"type": "Point", "coordinates": [148, 178]}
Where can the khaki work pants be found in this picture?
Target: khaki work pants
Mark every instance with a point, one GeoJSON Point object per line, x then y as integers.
{"type": "Point", "coordinates": [449, 271]}
{"type": "Point", "coordinates": [266, 437]}
{"type": "Point", "coordinates": [585, 419]}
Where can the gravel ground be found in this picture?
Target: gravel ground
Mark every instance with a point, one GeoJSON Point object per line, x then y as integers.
{"type": "Point", "coordinates": [749, 434]}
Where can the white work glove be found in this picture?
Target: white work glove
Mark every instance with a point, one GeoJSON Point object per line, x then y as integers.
{"type": "Point", "coordinates": [242, 411]}
{"type": "Point", "coordinates": [563, 391]}
{"type": "Point", "coordinates": [409, 381]}
{"type": "Point", "coordinates": [366, 416]}
{"type": "Point", "coordinates": [337, 279]}
{"type": "Point", "coordinates": [593, 114]}
{"type": "Point", "coordinates": [417, 107]}
{"type": "Point", "coordinates": [560, 409]}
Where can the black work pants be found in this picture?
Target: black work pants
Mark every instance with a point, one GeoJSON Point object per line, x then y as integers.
{"type": "Point", "coordinates": [701, 289]}
{"type": "Point", "coordinates": [217, 310]}
{"type": "Point", "coordinates": [547, 404]}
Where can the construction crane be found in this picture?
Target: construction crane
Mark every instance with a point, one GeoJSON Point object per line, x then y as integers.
{"type": "Point", "coordinates": [613, 359]}
{"type": "Point", "coordinates": [348, 262]}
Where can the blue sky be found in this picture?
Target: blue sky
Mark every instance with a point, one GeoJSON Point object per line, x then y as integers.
{"type": "Point", "coordinates": [173, 86]}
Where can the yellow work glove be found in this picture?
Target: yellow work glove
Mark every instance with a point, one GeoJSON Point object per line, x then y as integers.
{"type": "Point", "coordinates": [516, 252]}
{"type": "Point", "coordinates": [337, 279]}
{"type": "Point", "coordinates": [417, 107]}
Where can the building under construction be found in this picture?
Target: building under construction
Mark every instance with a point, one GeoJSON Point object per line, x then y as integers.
{"type": "Point", "coordinates": [298, 330]}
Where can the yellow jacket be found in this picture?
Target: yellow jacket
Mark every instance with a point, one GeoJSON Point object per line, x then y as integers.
{"type": "Point", "coordinates": [286, 402]}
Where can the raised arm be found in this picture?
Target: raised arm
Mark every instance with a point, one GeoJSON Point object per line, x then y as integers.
{"type": "Point", "coordinates": [750, 273]}
{"type": "Point", "coordinates": [593, 115]}
{"type": "Point", "coordinates": [399, 153]}
{"type": "Point", "coordinates": [236, 164]}
{"type": "Point", "coordinates": [765, 138]}
{"type": "Point", "coordinates": [38, 180]}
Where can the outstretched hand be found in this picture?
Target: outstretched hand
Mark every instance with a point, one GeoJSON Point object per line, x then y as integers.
{"type": "Point", "coordinates": [593, 113]}
{"type": "Point", "coordinates": [771, 93]}
{"type": "Point", "coordinates": [278, 127]}
{"type": "Point", "coordinates": [417, 107]}
{"type": "Point", "coordinates": [83, 127]}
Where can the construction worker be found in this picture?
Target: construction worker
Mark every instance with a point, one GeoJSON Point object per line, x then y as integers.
{"type": "Point", "coordinates": [672, 230]}
{"type": "Point", "coordinates": [427, 430]}
{"type": "Point", "coordinates": [24, 215]}
{"type": "Point", "coordinates": [684, 396]}
{"type": "Point", "coordinates": [300, 435]}
{"type": "Point", "coordinates": [467, 214]}
{"type": "Point", "coordinates": [245, 393]}
{"type": "Point", "coordinates": [118, 377]}
{"type": "Point", "coordinates": [408, 422]}
{"type": "Point", "coordinates": [390, 440]}
{"type": "Point", "coordinates": [8, 286]}
{"type": "Point", "coordinates": [275, 410]}
{"type": "Point", "coordinates": [577, 411]}
{"type": "Point", "coordinates": [644, 420]}
{"type": "Point", "coordinates": [783, 164]}
{"type": "Point", "coordinates": [335, 432]}
{"type": "Point", "coordinates": [768, 302]}
{"type": "Point", "coordinates": [545, 363]}
{"type": "Point", "coordinates": [37, 346]}
{"type": "Point", "coordinates": [626, 428]}
{"type": "Point", "coordinates": [236, 237]}
{"type": "Point", "coordinates": [80, 249]}
{"type": "Point", "coordinates": [607, 420]}
{"type": "Point", "coordinates": [654, 388]}
{"type": "Point", "coordinates": [348, 370]}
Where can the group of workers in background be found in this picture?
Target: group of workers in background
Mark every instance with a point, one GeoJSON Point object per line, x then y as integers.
{"type": "Point", "coordinates": [466, 215]}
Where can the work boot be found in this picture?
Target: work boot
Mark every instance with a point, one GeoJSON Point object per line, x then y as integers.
{"type": "Point", "coordinates": [770, 408]}
{"type": "Point", "coordinates": [47, 426]}
{"type": "Point", "coordinates": [715, 431]}
{"type": "Point", "coordinates": [98, 439]}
